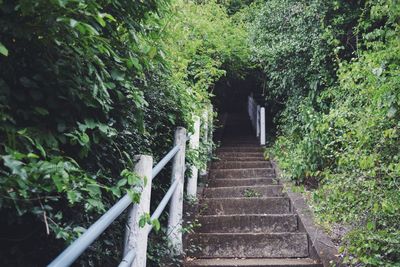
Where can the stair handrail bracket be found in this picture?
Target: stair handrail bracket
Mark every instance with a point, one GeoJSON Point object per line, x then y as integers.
{"type": "Point", "coordinates": [257, 118]}
{"type": "Point", "coordinates": [135, 244]}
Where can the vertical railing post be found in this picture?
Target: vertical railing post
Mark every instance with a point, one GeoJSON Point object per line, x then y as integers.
{"type": "Point", "coordinates": [136, 237]}
{"type": "Point", "coordinates": [191, 187]}
{"type": "Point", "coordinates": [258, 121]}
{"type": "Point", "coordinates": [203, 171]}
{"type": "Point", "coordinates": [176, 204]}
{"type": "Point", "coordinates": [210, 128]}
{"type": "Point", "coordinates": [248, 107]}
{"type": "Point", "coordinates": [262, 126]}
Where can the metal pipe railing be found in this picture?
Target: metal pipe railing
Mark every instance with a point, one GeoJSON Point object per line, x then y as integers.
{"type": "Point", "coordinates": [73, 251]}
{"type": "Point", "coordinates": [160, 165]}
{"type": "Point", "coordinates": [130, 256]}
{"type": "Point", "coordinates": [257, 118]}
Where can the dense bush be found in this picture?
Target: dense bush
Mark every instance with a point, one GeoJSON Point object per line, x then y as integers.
{"type": "Point", "coordinates": [84, 86]}
{"type": "Point", "coordinates": [336, 65]}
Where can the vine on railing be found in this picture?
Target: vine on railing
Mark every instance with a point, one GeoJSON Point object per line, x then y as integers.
{"type": "Point", "coordinates": [139, 223]}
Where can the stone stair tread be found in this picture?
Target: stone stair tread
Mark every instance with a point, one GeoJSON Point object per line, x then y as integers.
{"type": "Point", "coordinates": [253, 262]}
{"type": "Point", "coordinates": [262, 168]}
{"type": "Point", "coordinates": [245, 205]}
{"type": "Point", "coordinates": [243, 191]}
{"type": "Point", "coordinates": [256, 160]}
{"type": "Point", "coordinates": [223, 182]}
{"type": "Point", "coordinates": [251, 245]}
{"type": "Point", "coordinates": [242, 173]}
{"type": "Point", "coordinates": [236, 164]}
{"type": "Point", "coordinates": [240, 144]}
{"type": "Point", "coordinates": [253, 178]}
{"type": "Point", "coordinates": [239, 154]}
{"type": "Point", "coordinates": [256, 223]}
{"type": "Point", "coordinates": [241, 149]}
{"type": "Point", "coordinates": [233, 158]}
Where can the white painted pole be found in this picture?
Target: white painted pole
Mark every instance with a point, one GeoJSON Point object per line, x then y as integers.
{"type": "Point", "coordinates": [262, 126]}
{"type": "Point", "coordinates": [211, 123]}
{"type": "Point", "coordinates": [203, 170]}
{"type": "Point", "coordinates": [136, 237]}
{"type": "Point", "coordinates": [191, 187]}
{"type": "Point", "coordinates": [258, 121]}
{"type": "Point", "coordinates": [176, 204]}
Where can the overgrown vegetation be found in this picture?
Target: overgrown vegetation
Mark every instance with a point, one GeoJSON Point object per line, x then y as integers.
{"type": "Point", "coordinates": [334, 66]}
{"type": "Point", "coordinates": [84, 86]}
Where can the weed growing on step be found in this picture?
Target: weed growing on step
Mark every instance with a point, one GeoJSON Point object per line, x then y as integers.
{"type": "Point", "coordinates": [251, 193]}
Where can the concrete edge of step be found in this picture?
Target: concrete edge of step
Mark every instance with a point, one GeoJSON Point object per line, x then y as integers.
{"type": "Point", "coordinates": [252, 262]}
{"type": "Point", "coordinates": [321, 245]}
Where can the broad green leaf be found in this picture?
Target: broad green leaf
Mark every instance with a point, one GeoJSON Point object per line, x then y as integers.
{"type": "Point", "coordinates": [156, 224]}
{"type": "Point", "coordinates": [122, 182]}
{"type": "Point", "coordinates": [16, 166]}
{"type": "Point", "coordinates": [3, 50]}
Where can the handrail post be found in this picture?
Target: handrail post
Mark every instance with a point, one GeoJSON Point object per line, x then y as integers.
{"type": "Point", "coordinates": [203, 171]}
{"type": "Point", "coordinates": [135, 236]}
{"type": "Point", "coordinates": [191, 187]}
{"type": "Point", "coordinates": [262, 126]}
{"type": "Point", "coordinates": [258, 121]}
{"type": "Point", "coordinates": [176, 204]}
{"type": "Point", "coordinates": [210, 130]}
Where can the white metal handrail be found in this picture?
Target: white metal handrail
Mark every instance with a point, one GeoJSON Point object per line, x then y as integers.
{"type": "Point", "coordinates": [136, 237]}
{"type": "Point", "coordinates": [73, 251]}
{"type": "Point", "coordinates": [257, 118]}
{"type": "Point", "coordinates": [131, 255]}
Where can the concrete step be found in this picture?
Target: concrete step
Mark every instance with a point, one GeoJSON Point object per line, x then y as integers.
{"type": "Point", "coordinates": [240, 149]}
{"type": "Point", "coordinates": [244, 191]}
{"type": "Point", "coordinates": [230, 154]}
{"type": "Point", "coordinates": [220, 262]}
{"type": "Point", "coordinates": [248, 223]}
{"type": "Point", "coordinates": [226, 206]}
{"type": "Point", "coordinates": [233, 158]}
{"type": "Point", "coordinates": [242, 173]}
{"type": "Point", "coordinates": [242, 137]}
{"type": "Point", "coordinates": [242, 182]}
{"type": "Point", "coordinates": [251, 245]}
{"type": "Point", "coordinates": [240, 144]}
{"type": "Point", "coordinates": [240, 165]}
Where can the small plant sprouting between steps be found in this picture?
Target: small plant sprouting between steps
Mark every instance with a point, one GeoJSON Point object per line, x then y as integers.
{"type": "Point", "coordinates": [251, 193]}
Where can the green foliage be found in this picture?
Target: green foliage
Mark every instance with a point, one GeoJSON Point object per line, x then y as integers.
{"type": "Point", "coordinates": [251, 193]}
{"type": "Point", "coordinates": [84, 86]}
{"type": "Point", "coordinates": [345, 138]}
{"type": "Point", "coordinates": [287, 43]}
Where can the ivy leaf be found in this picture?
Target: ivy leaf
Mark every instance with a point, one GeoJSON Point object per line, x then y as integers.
{"type": "Point", "coordinates": [74, 196]}
{"type": "Point", "coordinates": [135, 63]}
{"type": "Point", "coordinates": [391, 112]}
{"type": "Point", "coordinates": [41, 111]}
{"type": "Point", "coordinates": [142, 221]}
{"type": "Point", "coordinates": [122, 182]}
{"type": "Point", "coordinates": [58, 182]}
{"type": "Point", "coordinates": [156, 224]}
{"type": "Point", "coordinates": [3, 50]}
{"type": "Point", "coordinates": [370, 226]}
{"type": "Point", "coordinates": [100, 20]}
{"type": "Point", "coordinates": [15, 166]}
{"type": "Point", "coordinates": [152, 52]}
{"type": "Point", "coordinates": [135, 196]}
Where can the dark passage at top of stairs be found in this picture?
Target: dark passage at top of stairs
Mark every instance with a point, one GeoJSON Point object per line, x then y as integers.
{"type": "Point", "coordinates": [246, 219]}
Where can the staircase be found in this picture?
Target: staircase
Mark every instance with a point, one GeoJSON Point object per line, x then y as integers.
{"type": "Point", "coordinates": [246, 219]}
